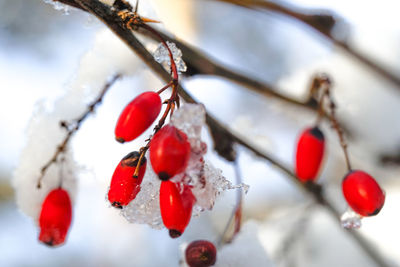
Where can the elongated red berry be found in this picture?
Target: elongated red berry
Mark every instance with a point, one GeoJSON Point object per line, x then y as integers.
{"type": "Point", "coordinates": [309, 154]}
{"type": "Point", "coordinates": [363, 193]}
{"type": "Point", "coordinates": [169, 152]}
{"type": "Point", "coordinates": [55, 217]}
{"type": "Point", "coordinates": [124, 186]}
{"type": "Point", "coordinates": [201, 253]}
{"type": "Point", "coordinates": [137, 116]}
{"type": "Point", "coordinates": [176, 203]}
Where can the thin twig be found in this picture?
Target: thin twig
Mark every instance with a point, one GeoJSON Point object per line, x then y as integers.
{"type": "Point", "coordinates": [73, 127]}
{"type": "Point", "coordinates": [110, 18]}
{"type": "Point", "coordinates": [322, 85]}
{"type": "Point", "coordinates": [323, 24]}
{"type": "Point", "coordinates": [294, 234]}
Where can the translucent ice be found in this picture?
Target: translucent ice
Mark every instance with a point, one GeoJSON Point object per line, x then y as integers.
{"type": "Point", "coordinates": [161, 55]}
{"type": "Point", "coordinates": [351, 220]}
{"type": "Point", "coordinates": [207, 181]}
{"type": "Point", "coordinates": [145, 208]}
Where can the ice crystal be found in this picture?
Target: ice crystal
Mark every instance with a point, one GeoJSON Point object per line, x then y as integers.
{"type": "Point", "coordinates": [161, 55]}
{"type": "Point", "coordinates": [145, 208]}
{"type": "Point", "coordinates": [207, 181]}
{"type": "Point", "coordinates": [350, 220]}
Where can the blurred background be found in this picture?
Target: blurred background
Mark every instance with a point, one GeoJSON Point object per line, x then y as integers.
{"type": "Point", "coordinates": [40, 56]}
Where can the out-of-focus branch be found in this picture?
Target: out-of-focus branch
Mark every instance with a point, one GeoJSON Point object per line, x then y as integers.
{"type": "Point", "coordinates": [322, 23]}
{"type": "Point", "coordinates": [200, 64]}
{"type": "Point", "coordinates": [223, 137]}
{"type": "Point", "coordinates": [6, 190]}
{"type": "Point", "coordinates": [389, 159]}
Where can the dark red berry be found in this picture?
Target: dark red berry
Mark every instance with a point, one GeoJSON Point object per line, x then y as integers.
{"type": "Point", "coordinates": [137, 116]}
{"type": "Point", "coordinates": [124, 186]}
{"type": "Point", "coordinates": [55, 217]}
{"type": "Point", "coordinates": [310, 151]}
{"type": "Point", "coordinates": [201, 253]}
{"type": "Point", "coordinates": [363, 193]}
{"type": "Point", "coordinates": [169, 152]}
{"type": "Point", "coordinates": [176, 203]}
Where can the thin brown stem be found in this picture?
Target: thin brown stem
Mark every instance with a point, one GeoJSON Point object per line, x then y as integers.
{"type": "Point", "coordinates": [322, 85]}
{"type": "Point", "coordinates": [73, 127]}
{"type": "Point", "coordinates": [165, 87]}
{"type": "Point", "coordinates": [339, 130]}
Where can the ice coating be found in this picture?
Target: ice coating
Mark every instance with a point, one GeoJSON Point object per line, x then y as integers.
{"type": "Point", "coordinates": [207, 181]}
{"type": "Point", "coordinates": [145, 208]}
{"type": "Point", "coordinates": [161, 55]}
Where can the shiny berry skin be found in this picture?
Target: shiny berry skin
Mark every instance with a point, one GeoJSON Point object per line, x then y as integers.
{"type": "Point", "coordinates": [137, 116]}
{"type": "Point", "coordinates": [309, 154]}
{"type": "Point", "coordinates": [169, 152]}
{"type": "Point", "coordinates": [55, 217]}
{"type": "Point", "coordinates": [201, 253]}
{"type": "Point", "coordinates": [176, 207]}
{"type": "Point", "coordinates": [124, 186]}
{"type": "Point", "coordinates": [363, 193]}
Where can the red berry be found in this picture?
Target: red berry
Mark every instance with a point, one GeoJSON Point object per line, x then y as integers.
{"type": "Point", "coordinates": [169, 152]}
{"type": "Point", "coordinates": [176, 203]}
{"type": "Point", "coordinates": [363, 193]}
{"type": "Point", "coordinates": [55, 217]}
{"type": "Point", "coordinates": [310, 151]}
{"type": "Point", "coordinates": [137, 116]}
{"type": "Point", "coordinates": [124, 186]}
{"type": "Point", "coordinates": [201, 253]}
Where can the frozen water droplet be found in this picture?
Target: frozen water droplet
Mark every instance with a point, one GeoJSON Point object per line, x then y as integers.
{"type": "Point", "coordinates": [161, 55]}
{"type": "Point", "coordinates": [351, 220]}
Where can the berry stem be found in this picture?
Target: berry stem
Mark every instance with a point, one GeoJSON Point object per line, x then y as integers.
{"type": "Point", "coordinates": [322, 85]}
{"type": "Point", "coordinates": [165, 87]}
{"type": "Point", "coordinates": [174, 69]}
{"type": "Point", "coordinates": [170, 106]}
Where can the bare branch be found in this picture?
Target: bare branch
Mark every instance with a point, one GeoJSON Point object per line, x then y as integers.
{"type": "Point", "coordinates": [322, 23]}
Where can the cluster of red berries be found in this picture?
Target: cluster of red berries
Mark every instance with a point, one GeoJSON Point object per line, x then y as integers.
{"type": "Point", "coordinates": [361, 191]}
{"type": "Point", "coordinates": [169, 155]}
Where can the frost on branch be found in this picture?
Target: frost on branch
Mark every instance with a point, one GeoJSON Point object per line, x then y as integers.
{"type": "Point", "coordinates": [108, 56]}
{"type": "Point", "coordinates": [161, 55]}
{"type": "Point", "coordinates": [58, 6]}
{"type": "Point", "coordinates": [44, 135]}
{"type": "Point", "coordinates": [207, 181]}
